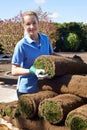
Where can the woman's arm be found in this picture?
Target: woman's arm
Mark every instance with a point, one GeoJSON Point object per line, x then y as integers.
{"type": "Point", "coordinates": [18, 70]}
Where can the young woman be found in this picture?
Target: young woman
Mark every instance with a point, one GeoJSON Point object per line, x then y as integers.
{"type": "Point", "coordinates": [32, 45]}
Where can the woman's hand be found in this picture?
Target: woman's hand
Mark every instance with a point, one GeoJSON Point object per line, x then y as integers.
{"type": "Point", "coordinates": [40, 73]}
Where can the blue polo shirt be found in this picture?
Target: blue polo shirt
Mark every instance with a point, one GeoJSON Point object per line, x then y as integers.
{"type": "Point", "coordinates": [25, 53]}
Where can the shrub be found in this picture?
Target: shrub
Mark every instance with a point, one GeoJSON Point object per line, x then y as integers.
{"type": "Point", "coordinates": [72, 42]}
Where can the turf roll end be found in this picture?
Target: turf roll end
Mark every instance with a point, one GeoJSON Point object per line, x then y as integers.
{"type": "Point", "coordinates": [46, 63]}
{"type": "Point", "coordinates": [50, 111]}
{"type": "Point", "coordinates": [75, 122]}
{"type": "Point", "coordinates": [26, 106]}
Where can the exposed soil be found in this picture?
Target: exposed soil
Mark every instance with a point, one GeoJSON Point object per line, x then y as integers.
{"type": "Point", "coordinates": [83, 55]}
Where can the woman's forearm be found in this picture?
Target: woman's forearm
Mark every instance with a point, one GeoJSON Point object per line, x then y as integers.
{"type": "Point", "coordinates": [17, 71]}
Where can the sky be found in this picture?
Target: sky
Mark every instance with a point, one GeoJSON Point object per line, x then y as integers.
{"type": "Point", "coordinates": [60, 10]}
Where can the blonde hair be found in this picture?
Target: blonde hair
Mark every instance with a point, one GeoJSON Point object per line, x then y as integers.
{"type": "Point", "coordinates": [29, 13]}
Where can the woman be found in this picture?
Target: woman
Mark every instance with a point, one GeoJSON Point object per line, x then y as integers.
{"type": "Point", "coordinates": [32, 45]}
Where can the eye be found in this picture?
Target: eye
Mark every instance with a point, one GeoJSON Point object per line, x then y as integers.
{"type": "Point", "coordinates": [28, 24]}
{"type": "Point", "coordinates": [34, 23]}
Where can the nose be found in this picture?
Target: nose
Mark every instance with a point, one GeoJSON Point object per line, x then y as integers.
{"type": "Point", "coordinates": [31, 26]}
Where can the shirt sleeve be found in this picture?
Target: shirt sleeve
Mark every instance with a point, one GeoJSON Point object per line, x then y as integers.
{"type": "Point", "coordinates": [18, 55]}
{"type": "Point", "coordinates": [50, 47]}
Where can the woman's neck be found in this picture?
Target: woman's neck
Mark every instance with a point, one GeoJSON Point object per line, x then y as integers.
{"type": "Point", "coordinates": [35, 38]}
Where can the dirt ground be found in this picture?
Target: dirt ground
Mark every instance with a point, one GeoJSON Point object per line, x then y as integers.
{"type": "Point", "coordinates": [82, 55]}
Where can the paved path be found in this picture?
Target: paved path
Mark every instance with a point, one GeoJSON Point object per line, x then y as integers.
{"type": "Point", "coordinates": [7, 93]}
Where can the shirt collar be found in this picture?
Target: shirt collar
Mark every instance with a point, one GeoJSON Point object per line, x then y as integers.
{"type": "Point", "coordinates": [29, 39]}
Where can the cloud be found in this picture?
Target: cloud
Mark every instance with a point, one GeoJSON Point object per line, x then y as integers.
{"type": "Point", "coordinates": [53, 15]}
{"type": "Point", "coordinates": [39, 1]}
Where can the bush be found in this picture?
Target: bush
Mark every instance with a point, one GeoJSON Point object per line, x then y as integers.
{"type": "Point", "coordinates": [72, 42]}
{"type": "Point", "coordinates": [10, 33]}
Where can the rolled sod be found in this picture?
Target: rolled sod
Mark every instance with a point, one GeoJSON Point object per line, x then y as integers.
{"type": "Point", "coordinates": [9, 109]}
{"type": "Point", "coordinates": [58, 65]}
{"type": "Point", "coordinates": [55, 109]}
{"type": "Point", "coordinates": [74, 84]}
{"type": "Point", "coordinates": [28, 103]}
{"type": "Point", "coordinates": [77, 119]}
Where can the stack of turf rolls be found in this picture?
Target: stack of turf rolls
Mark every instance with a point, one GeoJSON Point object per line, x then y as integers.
{"type": "Point", "coordinates": [28, 103]}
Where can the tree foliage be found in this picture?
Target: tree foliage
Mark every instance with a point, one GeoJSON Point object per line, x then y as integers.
{"type": "Point", "coordinates": [79, 29]}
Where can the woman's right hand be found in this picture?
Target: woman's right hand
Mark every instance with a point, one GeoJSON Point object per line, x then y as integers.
{"type": "Point", "coordinates": [40, 73]}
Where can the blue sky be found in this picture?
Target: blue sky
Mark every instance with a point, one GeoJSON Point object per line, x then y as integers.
{"type": "Point", "coordinates": [61, 10]}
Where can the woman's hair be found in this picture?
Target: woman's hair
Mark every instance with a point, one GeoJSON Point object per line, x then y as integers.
{"type": "Point", "coordinates": [29, 13]}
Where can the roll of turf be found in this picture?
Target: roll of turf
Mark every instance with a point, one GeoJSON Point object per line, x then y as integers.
{"type": "Point", "coordinates": [58, 65]}
{"type": "Point", "coordinates": [77, 119]}
{"type": "Point", "coordinates": [55, 109]}
{"type": "Point", "coordinates": [73, 84]}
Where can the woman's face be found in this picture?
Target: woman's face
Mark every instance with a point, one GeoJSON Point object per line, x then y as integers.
{"type": "Point", "coordinates": [30, 25]}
